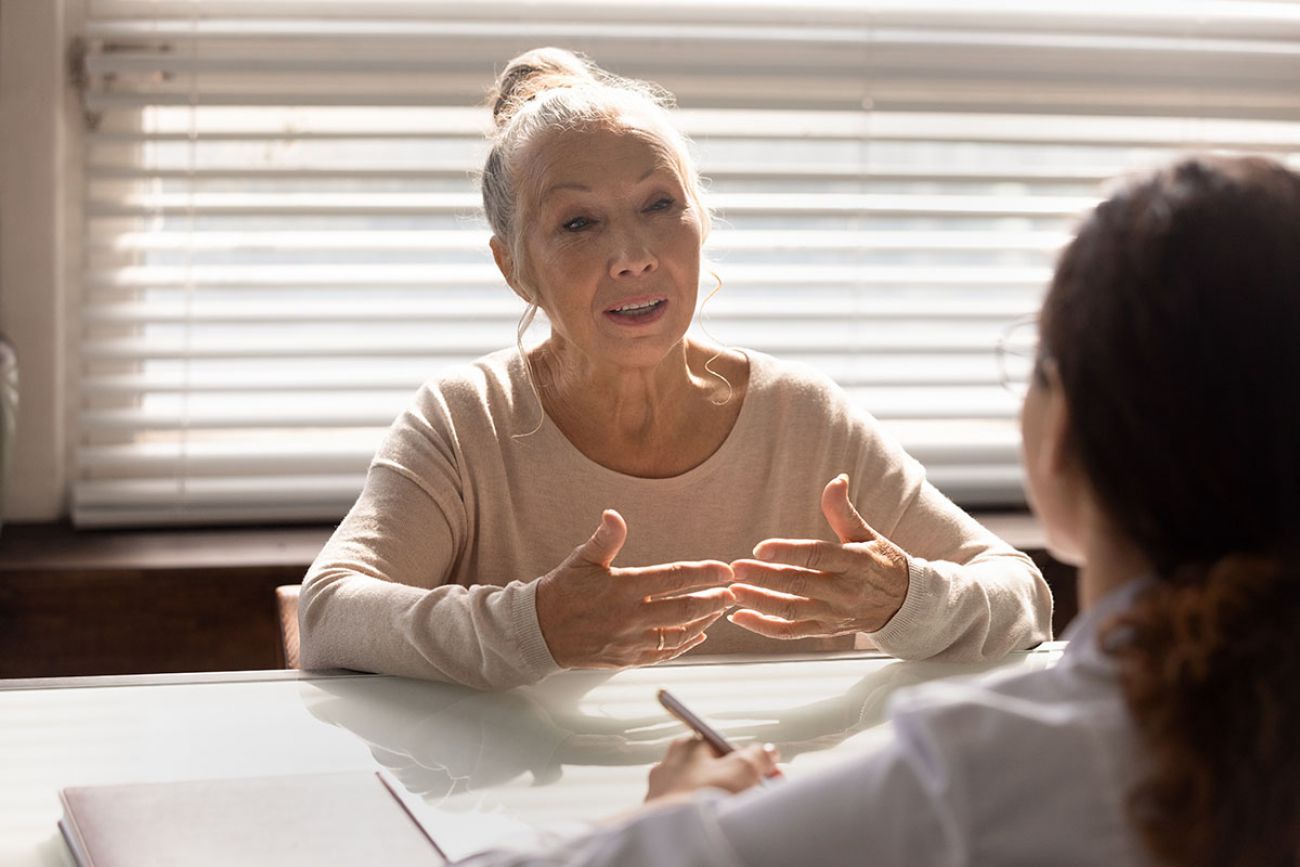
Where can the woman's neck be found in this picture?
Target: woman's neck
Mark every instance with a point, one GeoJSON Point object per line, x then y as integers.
{"type": "Point", "coordinates": [1110, 560]}
{"type": "Point", "coordinates": [652, 422]}
{"type": "Point", "coordinates": [633, 404]}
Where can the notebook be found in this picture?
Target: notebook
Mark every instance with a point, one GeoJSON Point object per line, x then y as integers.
{"type": "Point", "coordinates": [320, 820]}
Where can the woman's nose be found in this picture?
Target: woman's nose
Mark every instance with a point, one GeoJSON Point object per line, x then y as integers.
{"type": "Point", "coordinates": [634, 266]}
{"type": "Point", "coordinates": [631, 257]}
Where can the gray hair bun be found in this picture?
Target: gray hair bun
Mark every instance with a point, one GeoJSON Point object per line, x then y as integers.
{"type": "Point", "coordinates": [533, 72]}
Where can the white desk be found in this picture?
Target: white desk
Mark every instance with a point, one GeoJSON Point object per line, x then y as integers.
{"type": "Point", "coordinates": [575, 747]}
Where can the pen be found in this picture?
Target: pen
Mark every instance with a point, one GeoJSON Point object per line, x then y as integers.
{"type": "Point", "coordinates": [720, 745]}
{"type": "Point", "coordinates": [708, 733]}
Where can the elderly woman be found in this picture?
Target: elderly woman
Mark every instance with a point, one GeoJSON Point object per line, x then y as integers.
{"type": "Point", "coordinates": [1160, 443]}
{"type": "Point", "coordinates": [702, 471]}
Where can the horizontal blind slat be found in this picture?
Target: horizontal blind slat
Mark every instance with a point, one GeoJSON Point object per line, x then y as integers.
{"type": "Point", "coordinates": [721, 241]}
{"type": "Point", "coordinates": [1060, 129]}
{"type": "Point", "coordinates": [1254, 19]}
{"type": "Point", "coordinates": [405, 275]}
{"type": "Point", "coordinates": [417, 204]}
{"type": "Point", "coordinates": [720, 314]}
{"type": "Point", "coordinates": [449, 347]}
{"type": "Point", "coordinates": [766, 171]}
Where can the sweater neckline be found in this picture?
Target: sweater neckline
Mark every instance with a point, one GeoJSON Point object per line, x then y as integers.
{"type": "Point", "coordinates": [587, 468]}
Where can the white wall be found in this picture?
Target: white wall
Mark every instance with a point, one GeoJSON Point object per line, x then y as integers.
{"type": "Point", "coordinates": [40, 141]}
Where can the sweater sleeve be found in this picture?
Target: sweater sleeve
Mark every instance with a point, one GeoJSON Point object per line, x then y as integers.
{"type": "Point", "coordinates": [376, 599]}
{"type": "Point", "coordinates": [971, 597]}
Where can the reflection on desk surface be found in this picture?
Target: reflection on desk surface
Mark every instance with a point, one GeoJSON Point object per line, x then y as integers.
{"type": "Point", "coordinates": [448, 742]}
{"type": "Point", "coordinates": [575, 747]}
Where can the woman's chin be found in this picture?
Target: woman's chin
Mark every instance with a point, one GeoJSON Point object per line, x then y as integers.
{"type": "Point", "coordinates": [1063, 547]}
{"type": "Point", "coordinates": [640, 350]}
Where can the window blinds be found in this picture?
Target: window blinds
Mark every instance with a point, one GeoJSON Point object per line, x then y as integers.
{"type": "Point", "coordinates": [283, 236]}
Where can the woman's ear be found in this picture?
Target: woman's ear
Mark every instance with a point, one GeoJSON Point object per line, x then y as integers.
{"type": "Point", "coordinates": [507, 267]}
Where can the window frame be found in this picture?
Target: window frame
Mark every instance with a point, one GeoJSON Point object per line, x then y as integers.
{"type": "Point", "coordinates": [40, 245]}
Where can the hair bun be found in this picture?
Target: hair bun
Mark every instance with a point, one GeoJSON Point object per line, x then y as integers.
{"type": "Point", "coordinates": [532, 72]}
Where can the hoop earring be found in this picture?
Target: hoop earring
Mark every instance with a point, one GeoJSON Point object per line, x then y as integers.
{"type": "Point", "coordinates": [708, 365]}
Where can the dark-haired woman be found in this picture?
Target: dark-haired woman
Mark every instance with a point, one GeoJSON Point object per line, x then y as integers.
{"type": "Point", "coordinates": [712, 477]}
{"type": "Point", "coordinates": [1162, 448]}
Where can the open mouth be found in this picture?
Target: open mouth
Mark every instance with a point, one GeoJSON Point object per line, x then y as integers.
{"type": "Point", "coordinates": [638, 311]}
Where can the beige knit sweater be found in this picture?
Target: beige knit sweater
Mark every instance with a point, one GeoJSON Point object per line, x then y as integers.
{"type": "Point", "coordinates": [431, 574]}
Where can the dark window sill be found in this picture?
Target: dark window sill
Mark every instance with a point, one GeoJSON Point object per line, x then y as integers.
{"type": "Point", "coordinates": [80, 603]}
{"type": "Point", "coordinates": [59, 547]}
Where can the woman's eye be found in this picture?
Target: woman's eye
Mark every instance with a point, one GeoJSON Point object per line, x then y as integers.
{"type": "Point", "coordinates": [577, 224]}
{"type": "Point", "coordinates": [662, 204]}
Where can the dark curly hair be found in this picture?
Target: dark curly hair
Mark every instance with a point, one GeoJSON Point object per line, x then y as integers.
{"type": "Point", "coordinates": [1174, 323]}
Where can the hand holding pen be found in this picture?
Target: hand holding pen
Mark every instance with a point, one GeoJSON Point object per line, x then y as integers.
{"type": "Point", "coordinates": [708, 759]}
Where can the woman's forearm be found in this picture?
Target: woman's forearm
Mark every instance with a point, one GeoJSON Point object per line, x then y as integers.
{"type": "Point", "coordinates": [376, 599]}
{"type": "Point", "coordinates": [482, 636]}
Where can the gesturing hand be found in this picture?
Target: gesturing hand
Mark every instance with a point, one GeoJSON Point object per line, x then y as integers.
{"type": "Point", "coordinates": [802, 587]}
{"type": "Point", "coordinates": [595, 616]}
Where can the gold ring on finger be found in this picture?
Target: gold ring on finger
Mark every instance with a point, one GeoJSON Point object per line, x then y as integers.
{"type": "Point", "coordinates": [660, 630]}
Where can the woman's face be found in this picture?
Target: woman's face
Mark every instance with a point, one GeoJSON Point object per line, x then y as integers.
{"type": "Point", "coordinates": [1050, 479]}
{"type": "Point", "coordinates": [613, 245]}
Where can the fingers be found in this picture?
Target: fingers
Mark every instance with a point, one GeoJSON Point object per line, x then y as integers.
{"type": "Point", "coordinates": [781, 604]}
{"type": "Point", "coordinates": [677, 771]}
{"type": "Point", "coordinates": [744, 768]}
{"type": "Point", "coordinates": [762, 759]}
{"type": "Point", "coordinates": [839, 512]}
{"type": "Point", "coordinates": [809, 554]}
{"type": "Point", "coordinates": [681, 749]}
{"type": "Point", "coordinates": [678, 610]}
{"type": "Point", "coordinates": [678, 637]}
{"type": "Point", "coordinates": [606, 542]}
{"type": "Point", "coordinates": [775, 627]}
{"type": "Point", "coordinates": [793, 580]}
{"type": "Point", "coordinates": [669, 579]}
{"type": "Point", "coordinates": [654, 656]}
{"type": "Point", "coordinates": [690, 764]}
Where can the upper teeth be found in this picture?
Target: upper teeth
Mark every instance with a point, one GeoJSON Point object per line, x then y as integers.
{"type": "Point", "coordinates": [627, 307]}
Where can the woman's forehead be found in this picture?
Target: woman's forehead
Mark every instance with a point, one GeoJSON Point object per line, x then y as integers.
{"type": "Point", "coordinates": [581, 158]}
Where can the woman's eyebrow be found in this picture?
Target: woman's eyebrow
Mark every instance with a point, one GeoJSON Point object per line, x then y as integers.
{"type": "Point", "coordinates": [583, 188]}
{"type": "Point", "coordinates": [565, 185]}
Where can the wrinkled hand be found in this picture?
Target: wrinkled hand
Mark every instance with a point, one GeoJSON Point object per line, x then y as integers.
{"type": "Point", "coordinates": [691, 764]}
{"type": "Point", "coordinates": [800, 587]}
{"type": "Point", "coordinates": [593, 615]}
